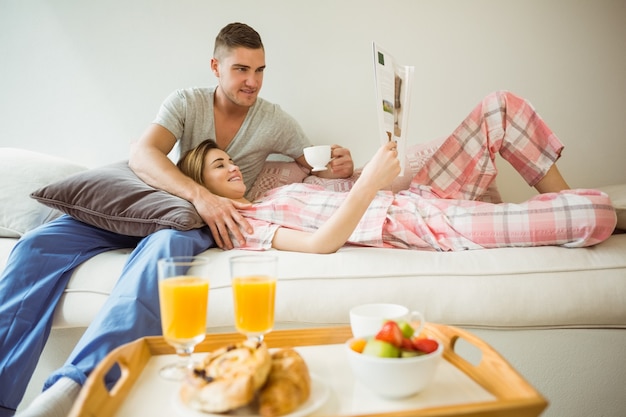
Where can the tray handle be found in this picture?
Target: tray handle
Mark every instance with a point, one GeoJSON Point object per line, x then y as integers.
{"type": "Point", "coordinates": [95, 399]}
{"type": "Point", "coordinates": [493, 372]}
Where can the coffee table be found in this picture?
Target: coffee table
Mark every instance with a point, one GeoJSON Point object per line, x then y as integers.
{"type": "Point", "coordinates": [488, 386]}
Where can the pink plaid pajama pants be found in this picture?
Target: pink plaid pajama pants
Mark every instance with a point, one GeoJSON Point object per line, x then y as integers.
{"type": "Point", "coordinates": [440, 210]}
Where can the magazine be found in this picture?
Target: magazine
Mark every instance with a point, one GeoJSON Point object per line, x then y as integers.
{"type": "Point", "coordinates": [393, 98]}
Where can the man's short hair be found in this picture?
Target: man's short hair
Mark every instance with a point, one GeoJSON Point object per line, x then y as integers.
{"type": "Point", "coordinates": [236, 35]}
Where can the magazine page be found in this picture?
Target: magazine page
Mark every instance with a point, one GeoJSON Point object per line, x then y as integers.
{"type": "Point", "coordinates": [393, 84]}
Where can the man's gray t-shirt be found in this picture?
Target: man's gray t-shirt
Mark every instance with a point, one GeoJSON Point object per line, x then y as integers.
{"type": "Point", "coordinates": [267, 129]}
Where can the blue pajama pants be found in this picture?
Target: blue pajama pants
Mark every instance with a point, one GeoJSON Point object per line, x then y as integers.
{"type": "Point", "coordinates": [38, 271]}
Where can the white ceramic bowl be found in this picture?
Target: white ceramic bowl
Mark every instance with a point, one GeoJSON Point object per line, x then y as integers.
{"type": "Point", "coordinates": [394, 377]}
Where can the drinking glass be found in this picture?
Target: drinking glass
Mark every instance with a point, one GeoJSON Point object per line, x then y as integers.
{"type": "Point", "coordinates": [183, 297]}
{"type": "Point", "coordinates": [253, 279]}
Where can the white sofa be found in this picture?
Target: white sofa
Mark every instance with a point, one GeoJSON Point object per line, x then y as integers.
{"type": "Point", "coordinates": [558, 315]}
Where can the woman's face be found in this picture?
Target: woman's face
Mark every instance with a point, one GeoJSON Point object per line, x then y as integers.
{"type": "Point", "coordinates": [221, 176]}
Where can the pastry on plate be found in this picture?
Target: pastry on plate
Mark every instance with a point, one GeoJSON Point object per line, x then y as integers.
{"type": "Point", "coordinates": [228, 378]}
{"type": "Point", "coordinates": [288, 385]}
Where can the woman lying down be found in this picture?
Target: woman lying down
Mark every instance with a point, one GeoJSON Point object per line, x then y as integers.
{"type": "Point", "coordinates": [440, 210]}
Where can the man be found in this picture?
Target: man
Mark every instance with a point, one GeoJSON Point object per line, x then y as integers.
{"type": "Point", "coordinates": [248, 127]}
{"type": "Point", "coordinates": [238, 63]}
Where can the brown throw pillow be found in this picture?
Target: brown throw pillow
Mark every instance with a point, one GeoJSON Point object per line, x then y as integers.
{"type": "Point", "coordinates": [113, 198]}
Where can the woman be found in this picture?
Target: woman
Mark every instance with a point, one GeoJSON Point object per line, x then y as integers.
{"type": "Point", "coordinates": [440, 210]}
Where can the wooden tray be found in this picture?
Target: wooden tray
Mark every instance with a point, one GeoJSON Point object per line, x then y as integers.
{"type": "Point", "coordinates": [514, 396]}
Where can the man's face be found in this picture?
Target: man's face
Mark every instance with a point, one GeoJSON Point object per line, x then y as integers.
{"type": "Point", "coordinates": [240, 74]}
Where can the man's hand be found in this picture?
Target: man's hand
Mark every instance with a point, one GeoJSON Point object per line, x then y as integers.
{"type": "Point", "coordinates": [341, 165]}
{"type": "Point", "coordinates": [222, 217]}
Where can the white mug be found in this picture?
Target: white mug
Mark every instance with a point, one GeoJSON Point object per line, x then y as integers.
{"type": "Point", "coordinates": [367, 319]}
{"type": "Point", "coordinates": [318, 156]}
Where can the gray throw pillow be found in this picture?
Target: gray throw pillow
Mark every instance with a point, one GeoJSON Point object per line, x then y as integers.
{"type": "Point", "coordinates": [113, 198]}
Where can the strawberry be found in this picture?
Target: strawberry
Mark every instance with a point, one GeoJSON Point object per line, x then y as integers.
{"type": "Point", "coordinates": [390, 333]}
{"type": "Point", "coordinates": [425, 345]}
{"type": "Point", "coordinates": [407, 344]}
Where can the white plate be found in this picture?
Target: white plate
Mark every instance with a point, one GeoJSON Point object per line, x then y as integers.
{"type": "Point", "coordinates": [319, 395]}
{"type": "Point", "coordinates": [318, 170]}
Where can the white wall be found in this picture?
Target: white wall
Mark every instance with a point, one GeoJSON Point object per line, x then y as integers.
{"type": "Point", "coordinates": [82, 79]}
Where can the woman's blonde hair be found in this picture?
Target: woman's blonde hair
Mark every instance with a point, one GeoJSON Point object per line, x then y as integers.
{"type": "Point", "coordinates": [192, 162]}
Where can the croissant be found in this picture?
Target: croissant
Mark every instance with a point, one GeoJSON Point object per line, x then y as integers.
{"type": "Point", "coordinates": [288, 385]}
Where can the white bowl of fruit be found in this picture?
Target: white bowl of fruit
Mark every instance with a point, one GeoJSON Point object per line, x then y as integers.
{"type": "Point", "coordinates": [394, 363]}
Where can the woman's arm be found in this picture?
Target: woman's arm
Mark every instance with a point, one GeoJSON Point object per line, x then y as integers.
{"type": "Point", "coordinates": [377, 174]}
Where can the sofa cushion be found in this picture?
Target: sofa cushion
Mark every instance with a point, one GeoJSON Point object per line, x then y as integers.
{"type": "Point", "coordinates": [497, 288]}
{"type": "Point", "coordinates": [275, 174]}
{"type": "Point", "coordinates": [113, 198]}
{"type": "Point", "coordinates": [21, 172]}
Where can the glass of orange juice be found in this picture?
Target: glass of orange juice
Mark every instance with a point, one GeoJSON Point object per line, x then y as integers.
{"type": "Point", "coordinates": [253, 279]}
{"type": "Point", "coordinates": [183, 298]}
